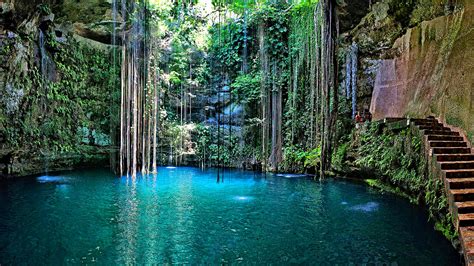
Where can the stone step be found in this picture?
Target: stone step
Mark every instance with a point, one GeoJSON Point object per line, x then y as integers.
{"type": "Point", "coordinates": [441, 132]}
{"type": "Point", "coordinates": [441, 144]}
{"type": "Point", "coordinates": [469, 256]}
{"type": "Point", "coordinates": [457, 165]}
{"type": "Point", "coordinates": [459, 173]}
{"type": "Point", "coordinates": [460, 183]}
{"type": "Point", "coordinates": [445, 138]}
{"type": "Point", "coordinates": [427, 123]}
{"type": "Point", "coordinates": [451, 150]}
{"type": "Point", "coordinates": [465, 207]}
{"type": "Point", "coordinates": [428, 119]}
{"type": "Point", "coordinates": [462, 195]}
{"type": "Point", "coordinates": [435, 127]}
{"type": "Point", "coordinates": [466, 219]}
{"type": "Point", "coordinates": [454, 157]}
{"type": "Point", "coordinates": [466, 234]}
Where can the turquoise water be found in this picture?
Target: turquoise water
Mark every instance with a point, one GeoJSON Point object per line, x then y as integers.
{"type": "Point", "coordinates": [183, 215]}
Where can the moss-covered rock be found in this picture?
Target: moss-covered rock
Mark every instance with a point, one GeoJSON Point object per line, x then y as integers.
{"type": "Point", "coordinates": [85, 11]}
{"type": "Point", "coordinates": [395, 161]}
{"type": "Point", "coordinates": [377, 30]}
{"type": "Point", "coordinates": [57, 93]}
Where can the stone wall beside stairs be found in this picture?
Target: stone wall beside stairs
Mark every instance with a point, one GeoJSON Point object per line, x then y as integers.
{"type": "Point", "coordinates": [431, 73]}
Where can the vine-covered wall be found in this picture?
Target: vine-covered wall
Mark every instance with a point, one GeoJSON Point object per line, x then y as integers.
{"type": "Point", "coordinates": [248, 86]}
{"type": "Point", "coordinates": [57, 94]}
{"type": "Point", "coordinates": [275, 61]}
{"type": "Point", "coordinates": [395, 161]}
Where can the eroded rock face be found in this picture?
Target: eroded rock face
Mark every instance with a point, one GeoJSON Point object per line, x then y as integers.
{"type": "Point", "coordinates": [377, 30]}
{"type": "Point", "coordinates": [432, 73]}
{"type": "Point", "coordinates": [24, 163]}
{"type": "Point", "coordinates": [90, 19]}
{"type": "Point", "coordinates": [350, 12]}
{"type": "Point", "coordinates": [100, 35]}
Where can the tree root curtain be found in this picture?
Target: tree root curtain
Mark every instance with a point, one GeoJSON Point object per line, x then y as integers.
{"type": "Point", "coordinates": [139, 93]}
{"type": "Point", "coordinates": [284, 76]}
{"type": "Point", "coordinates": [312, 65]}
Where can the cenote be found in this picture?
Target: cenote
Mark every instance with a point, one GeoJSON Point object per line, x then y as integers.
{"type": "Point", "coordinates": [285, 125]}
{"type": "Point", "coordinates": [186, 215]}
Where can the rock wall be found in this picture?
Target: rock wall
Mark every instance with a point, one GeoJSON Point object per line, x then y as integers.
{"type": "Point", "coordinates": [56, 92]}
{"type": "Point", "coordinates": [432, 72]}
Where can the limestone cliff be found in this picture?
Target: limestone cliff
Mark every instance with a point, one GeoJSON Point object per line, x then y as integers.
{"type": "Point", "coordinates": [56, 87]}
{"type": "Point", "coordinates": [431, 73]}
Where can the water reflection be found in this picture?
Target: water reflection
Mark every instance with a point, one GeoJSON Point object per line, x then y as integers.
{"type": "Point", "coordinates": [183, 215]}
{"type": "Point", "coordinates": [127, 222]}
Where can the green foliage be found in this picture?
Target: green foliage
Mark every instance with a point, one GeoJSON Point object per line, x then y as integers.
{"type": "Point", "coordinates": [312, 158]}
{"type": "Point", "coordinates": [226, 47]}
{"type": "Point", "coordinates": [236, 37]}
{"type": "Point", "coordinates": [398, 160]}
{"type": "Point", "coordinates": [298, 160]}
{"type": "Point", "coordinates": [339, 155]}
{"type": "Point", "coordinates": [276, 26]}
{"type": "Point", "coordinates": [303, 4]}
{"type": "Point", "coordinates": [54, 113]}
{"type": "Point", "coordinates": [5, 49]}
{"type": "Point", "coordinates": [384, 187]}
{"type": "Point", "coordinates": [186, 65]}
{"type": "Point", "coordinates": [453, 120]}
{"type": "Point", "coordinates": [300, 108]}
{"type": "Point", "coordinates": [246, 88]}
{"type": "Point", "coordinates": [224, 154]}
{"type": "Point", "coordinates": [203, 135]}
{"type": "Point", "coordinates": [437, 202]}
{"type": "Point", "coordinates": [401, 10]}
{"type": "Point", "coordinates": [428, 9]}
{"type": "Point", "coordinates": [44, 9]}
{"type": "Point", "coordinates": [397, 156]}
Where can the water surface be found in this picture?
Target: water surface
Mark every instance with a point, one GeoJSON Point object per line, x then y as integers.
{"type": "Point", "coordinates": [183, 215]}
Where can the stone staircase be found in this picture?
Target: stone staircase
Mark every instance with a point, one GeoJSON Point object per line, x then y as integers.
{"type": "Point", "coordinates": [452, 159]}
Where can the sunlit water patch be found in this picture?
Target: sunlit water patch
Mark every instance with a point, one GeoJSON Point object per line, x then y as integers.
{"type": "Point", "coordinates": [185, 215]}
{"type": "Point", "coordinates": [51, 179]}
{"type": "Point", "coordinates": [366, 207]}
{"type": "Point", "coordinates": [243, 198]}
{"type": "Point", "coordinates": [292, 175]}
